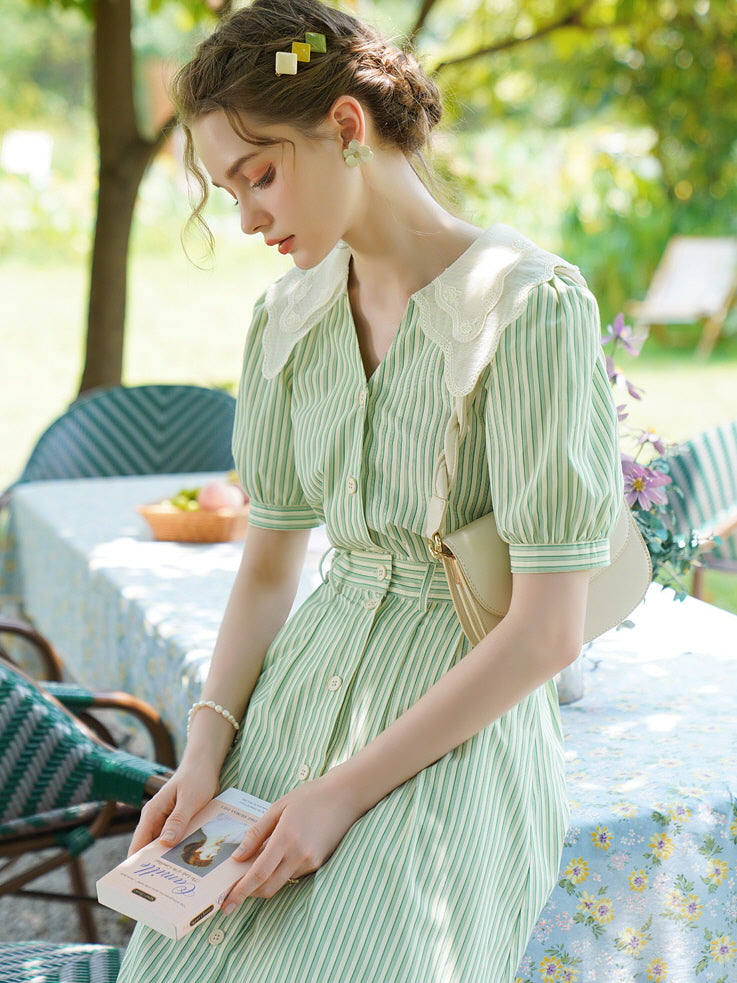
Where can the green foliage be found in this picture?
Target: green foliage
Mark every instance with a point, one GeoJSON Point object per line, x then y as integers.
{"type": "Point", "coordinates": [43, 65]}
{"type": "Point", "coordinates": [659, 75]}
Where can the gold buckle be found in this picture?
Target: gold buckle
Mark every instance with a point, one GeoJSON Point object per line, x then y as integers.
{"type": "Point", "coordinates": [437, 547]}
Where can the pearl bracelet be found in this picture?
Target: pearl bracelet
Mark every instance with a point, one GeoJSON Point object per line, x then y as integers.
{"type": "Point", "coordinates": [213, 706]}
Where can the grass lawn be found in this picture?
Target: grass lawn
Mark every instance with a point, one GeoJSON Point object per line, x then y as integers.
{"type": "Point", "coordinates": [188, 325]}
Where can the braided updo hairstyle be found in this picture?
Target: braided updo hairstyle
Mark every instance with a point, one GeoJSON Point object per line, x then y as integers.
{"type": "Point", "coordinates": [233, 70]}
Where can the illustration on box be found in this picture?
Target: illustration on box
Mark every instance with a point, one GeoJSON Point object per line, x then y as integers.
{"type": "Point", "coordinates": [174, 889]}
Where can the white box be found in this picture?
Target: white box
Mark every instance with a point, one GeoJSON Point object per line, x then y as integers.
{"type": "Point", "coordinates": [174, 889]}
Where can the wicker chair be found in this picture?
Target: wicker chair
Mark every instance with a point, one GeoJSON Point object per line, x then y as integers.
{"type": "Point", "coordinates": [62, 787]}
{"type": "Point", "coordinates": [704, 470]}
{"type": "Point", "coordinates": [46, 962]}
{"type": "Point", "coordinates": [152, 429]}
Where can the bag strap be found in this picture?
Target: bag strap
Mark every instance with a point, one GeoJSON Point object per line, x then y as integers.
{"type": "Point", "coordinates": [445, 470]}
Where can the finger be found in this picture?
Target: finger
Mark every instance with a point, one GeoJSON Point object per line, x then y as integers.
{"type": "Point", "coordinates": [153, 817]}
{"type": "Point", "coordinates": [265, 885]}
{"type": "Point", "coordinates": [256, 835]}
{"type": "Point", "coordinates": [176, 825]}
{"type": "Point", "coordinates": [259, 872]}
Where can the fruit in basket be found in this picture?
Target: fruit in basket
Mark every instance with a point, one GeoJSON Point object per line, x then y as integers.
{"type": "Point", "coordinates": [220, 495]}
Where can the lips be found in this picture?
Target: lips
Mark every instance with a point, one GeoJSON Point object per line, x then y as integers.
{"type": "Point", "coordinates": [280, 243]}
{"type": "Point", "coordinates": [285, 245]}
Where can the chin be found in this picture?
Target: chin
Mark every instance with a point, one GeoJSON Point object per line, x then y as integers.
{"type": "Point", "coordinates": [309, 259]}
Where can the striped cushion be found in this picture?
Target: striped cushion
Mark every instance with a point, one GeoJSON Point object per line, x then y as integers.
{"type": "Point", "coordinates": [705, 470]}
{"type": "Point", "coordinates": [154, 429]}
{"type": "Point", "coordinates": [43, 962]}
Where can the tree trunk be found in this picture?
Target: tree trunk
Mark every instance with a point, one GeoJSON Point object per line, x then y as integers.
{"type": "Point", "coordinates": [124, 156]}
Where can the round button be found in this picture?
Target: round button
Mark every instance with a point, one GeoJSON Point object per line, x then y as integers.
{"type": "Point", "coordinates": [334, 683]}
{"type": "Point", "coordinates": [381, 573]}
{"type": "Point", "coordinates": [371, 603]}
{"type": "Point", "coordinates": [362, 398]}
{"type": "Point", "coordinates": [216, 936]}
{"type": "Point", "coordinates": [351, 486]}
{"type": "Point", "coordinates": [303, 772]}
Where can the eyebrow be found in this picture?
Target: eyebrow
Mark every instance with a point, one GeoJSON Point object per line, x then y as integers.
{"type": "Point", "coordinates": [236, 166]}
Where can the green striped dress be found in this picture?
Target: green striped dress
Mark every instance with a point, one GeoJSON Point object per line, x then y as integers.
{"type": "Point", "coordinates": [443, 880]}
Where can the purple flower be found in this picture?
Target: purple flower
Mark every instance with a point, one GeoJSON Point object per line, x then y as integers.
{"type": "Point", "coordinates": [650, 437]}
{"type": "Point", "coordinates": [619, 379]}
{"type": "Point", "coordinates": [643, 487]}
{"type": "Point", "coordinates": [623, 333]}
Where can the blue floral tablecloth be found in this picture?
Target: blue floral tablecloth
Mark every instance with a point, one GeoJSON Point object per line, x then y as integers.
{"type": "Point", "coordinates": [647, 891]}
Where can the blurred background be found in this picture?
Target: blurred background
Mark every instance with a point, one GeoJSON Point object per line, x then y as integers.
{"type": "Point", "coordinates": [599, 128]}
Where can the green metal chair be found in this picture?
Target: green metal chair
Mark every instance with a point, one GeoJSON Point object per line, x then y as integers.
{"type": "Point", "coordinates": [46, 962]}
{"type": "Point", "coordinates": [62, 788]}
{"type": "Point", "coordinates": [704, 470]}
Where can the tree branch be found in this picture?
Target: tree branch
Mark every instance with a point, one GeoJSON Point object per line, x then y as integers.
{"type": "Point", "coordinates": [163, 134]}
{"type": "Point", "coordinates": [422, 15]}
{"type": "Point", "coordinates": [572, 19]}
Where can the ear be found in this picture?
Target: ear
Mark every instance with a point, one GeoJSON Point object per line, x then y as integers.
{"type": "Point", "coordinates": [348, 119]}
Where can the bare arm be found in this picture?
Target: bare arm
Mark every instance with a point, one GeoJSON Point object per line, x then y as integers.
{"type": "Point", "coordinates": [541, 634]}
{"type": "Point", "coordinates": [260, 601]}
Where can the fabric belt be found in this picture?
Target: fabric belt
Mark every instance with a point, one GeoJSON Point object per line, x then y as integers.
{"type": "Point", "coordinates": [380, 574]}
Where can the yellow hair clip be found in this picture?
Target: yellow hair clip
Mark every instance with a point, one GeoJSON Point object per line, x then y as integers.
{"type": "Point", "coordinates": [286, 61]}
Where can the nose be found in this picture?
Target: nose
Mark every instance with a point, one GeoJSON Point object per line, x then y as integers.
{"type": "Point", "coordinates": [253, 218]}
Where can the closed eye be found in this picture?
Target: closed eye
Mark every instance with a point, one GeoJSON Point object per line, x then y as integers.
{"type": "Point", "coordinates": [265, 180]}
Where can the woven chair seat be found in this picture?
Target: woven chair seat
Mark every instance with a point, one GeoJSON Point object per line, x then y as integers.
{"type": "Point", "coordinates": [44, 962]}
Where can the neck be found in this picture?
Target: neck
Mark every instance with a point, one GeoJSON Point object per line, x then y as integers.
{"type": "Point", "coordinates": [401, 237]}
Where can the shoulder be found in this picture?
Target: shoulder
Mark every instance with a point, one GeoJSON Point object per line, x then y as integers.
{"type": "Point", "coordinates": [466, 310]}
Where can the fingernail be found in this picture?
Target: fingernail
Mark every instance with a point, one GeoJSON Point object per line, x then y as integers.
{"type": "Point", "coordinates": [229, 908]}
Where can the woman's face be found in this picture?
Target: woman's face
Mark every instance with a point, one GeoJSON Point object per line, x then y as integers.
{"type": "Point", "coordinates": [298, 194]}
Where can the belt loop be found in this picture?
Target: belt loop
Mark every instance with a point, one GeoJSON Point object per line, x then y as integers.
{"type": "Point", "coordinates": [321, 565]}
{"type": "Point", "coordinates": [426, 585]}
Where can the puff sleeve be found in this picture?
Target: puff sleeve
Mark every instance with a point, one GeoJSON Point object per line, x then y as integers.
{"type": "Point", "coordinates": [552, 434]}
{"type": "Point", "coordinates": [263, 444]}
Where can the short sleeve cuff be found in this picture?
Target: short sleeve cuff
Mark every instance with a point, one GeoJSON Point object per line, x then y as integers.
{"type": "Point", "coordinates": [282, 516]}
{"type": "Point", "coordinates": [559, 557]}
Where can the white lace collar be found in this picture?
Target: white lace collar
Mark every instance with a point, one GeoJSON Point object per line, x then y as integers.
{"type": "Point", "coordinates": [463, 310]}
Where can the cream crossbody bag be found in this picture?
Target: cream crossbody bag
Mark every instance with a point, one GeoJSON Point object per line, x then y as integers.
{"type": "Point", "coordinates": [477, 566]}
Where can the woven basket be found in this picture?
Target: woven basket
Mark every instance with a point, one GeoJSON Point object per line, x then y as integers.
{"type": "Point", "coordinates": [173, 524]}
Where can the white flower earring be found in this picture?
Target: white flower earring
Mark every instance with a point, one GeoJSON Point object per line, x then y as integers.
{"type": "Point", "coordinates": [357, 153]}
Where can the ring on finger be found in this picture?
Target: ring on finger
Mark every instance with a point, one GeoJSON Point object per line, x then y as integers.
{"type": "Point", "coordinates": [292, 880]}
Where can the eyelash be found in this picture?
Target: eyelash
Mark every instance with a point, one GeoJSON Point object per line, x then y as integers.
{"type": "Point", "coordinates": [265, 180]}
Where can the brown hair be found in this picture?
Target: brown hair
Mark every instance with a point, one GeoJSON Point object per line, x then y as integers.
{"type": "Point", "coordinates": [233, 70]}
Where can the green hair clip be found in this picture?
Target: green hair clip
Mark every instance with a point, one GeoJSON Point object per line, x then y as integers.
{"type": "Point", "coordinates": [286, 61]}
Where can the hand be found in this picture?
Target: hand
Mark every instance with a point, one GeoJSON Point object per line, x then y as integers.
{"type": "Point", "coordinates": [167, 814]}
{"type": "Point", "coordinates": [297, 834]}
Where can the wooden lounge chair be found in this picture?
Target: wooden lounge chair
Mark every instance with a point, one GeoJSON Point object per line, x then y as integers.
{"type": "Point", "coordinates": [695, 283]}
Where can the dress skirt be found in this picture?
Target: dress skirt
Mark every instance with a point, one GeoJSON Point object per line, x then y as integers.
{"type": "Point", "coordinates": [443, 880]}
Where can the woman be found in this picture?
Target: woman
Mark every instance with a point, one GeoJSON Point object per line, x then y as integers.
{"type": "Point", "coordinates": [417, 784]}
